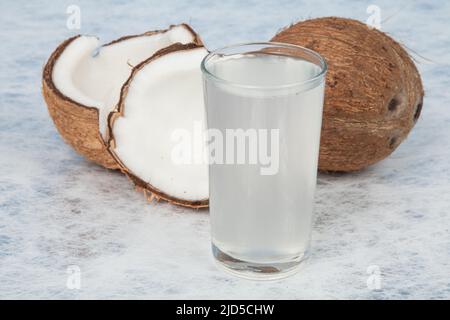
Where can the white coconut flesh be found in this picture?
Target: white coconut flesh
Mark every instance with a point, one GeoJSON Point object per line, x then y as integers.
{"type": "Point", "coordinates": [165, 96]}
{"type": "Point", "coordinates": [93, 76]}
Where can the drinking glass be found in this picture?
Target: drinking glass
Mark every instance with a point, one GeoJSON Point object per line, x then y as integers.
{"type": "Point", "coordinates": [264, 114]}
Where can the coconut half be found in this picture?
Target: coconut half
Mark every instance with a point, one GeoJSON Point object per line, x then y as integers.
{"type": "Point", "coordinates": [82, 83]}
{"type": "Point", "coordinates": [163, 96]}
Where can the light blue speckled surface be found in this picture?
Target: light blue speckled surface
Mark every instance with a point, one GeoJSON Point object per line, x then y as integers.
{"type": "Point", "coordinates": [56, 209]}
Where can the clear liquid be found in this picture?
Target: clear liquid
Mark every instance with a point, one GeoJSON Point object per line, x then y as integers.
{"type": "Point", "coordinates": [265, 219]}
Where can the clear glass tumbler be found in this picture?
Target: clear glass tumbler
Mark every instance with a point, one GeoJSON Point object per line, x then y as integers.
{"type": "Point", "coordinates": [264, 115]}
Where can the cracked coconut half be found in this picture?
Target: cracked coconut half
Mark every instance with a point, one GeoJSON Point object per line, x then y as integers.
{"type": "Point", "coordinates": [82, 83]}
{"type": "Point", "coordinates": [163, 96]}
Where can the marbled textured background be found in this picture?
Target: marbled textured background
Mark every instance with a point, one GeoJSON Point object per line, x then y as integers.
{"type": "Point", "coordinates": [56, 209]}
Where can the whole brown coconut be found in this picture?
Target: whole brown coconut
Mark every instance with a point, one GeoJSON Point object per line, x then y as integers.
{"type": "Point", "coordinates": [373, 94]}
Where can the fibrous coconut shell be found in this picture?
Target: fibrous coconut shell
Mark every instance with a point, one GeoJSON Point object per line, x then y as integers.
{"type": "Point", "coordinates": [373, 95]}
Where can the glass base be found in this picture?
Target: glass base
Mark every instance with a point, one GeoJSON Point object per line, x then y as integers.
{"type": "Point", "coordinates": [257, 271]}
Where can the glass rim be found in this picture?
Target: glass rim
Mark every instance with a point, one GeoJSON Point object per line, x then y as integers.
{"type": "Point", "coordinates": [323, 66]}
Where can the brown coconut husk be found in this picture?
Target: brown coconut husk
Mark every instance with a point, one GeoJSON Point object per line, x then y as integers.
{"type": "Point", "coordinates": [151, 192]}
{"type": "Point", "coordinates": [373, 94]}
{"type": "Point", "coordinates": [76, 123]}
{"type": "Point", "coordinates": [79, 124]}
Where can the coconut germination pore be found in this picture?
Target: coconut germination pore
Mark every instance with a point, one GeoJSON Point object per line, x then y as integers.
{"type": "Point", "coordinates": [261, 209]}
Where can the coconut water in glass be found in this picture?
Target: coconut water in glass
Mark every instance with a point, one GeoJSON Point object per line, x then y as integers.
{"type": "Point", "coordinates": [264, 114]}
